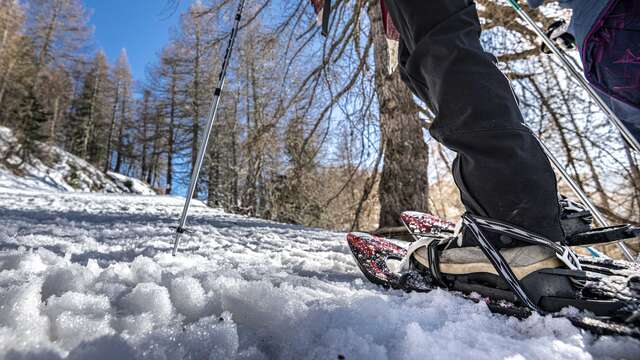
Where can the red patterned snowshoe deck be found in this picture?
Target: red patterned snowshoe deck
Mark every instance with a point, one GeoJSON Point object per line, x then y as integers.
{"type": "Point", "coordinates": [371, 254]}
{"type": "Point", "coordinates": [426, 224]}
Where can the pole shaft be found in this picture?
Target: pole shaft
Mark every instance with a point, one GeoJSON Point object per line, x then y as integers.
{"type": "Point", "coordinates": [204, 142]}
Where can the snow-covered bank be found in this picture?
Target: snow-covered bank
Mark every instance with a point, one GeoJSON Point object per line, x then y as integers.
{"type": "Point", "coordinates": [61, 172]}
{"type": "Point", "coordinates": [89, 276]}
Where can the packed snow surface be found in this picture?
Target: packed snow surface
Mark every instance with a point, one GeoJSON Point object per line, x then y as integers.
{"type": "Point", "coordinates": [90, 276]}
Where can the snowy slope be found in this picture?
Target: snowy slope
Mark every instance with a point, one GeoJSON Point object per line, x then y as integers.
{"type": "Point", "coordinates": [64, 172]}
{"type": "Point", "coordinates": [89, 276]}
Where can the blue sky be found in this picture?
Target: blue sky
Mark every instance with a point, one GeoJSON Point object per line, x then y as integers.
{"type": "Point", "coordinates": [140, 26]}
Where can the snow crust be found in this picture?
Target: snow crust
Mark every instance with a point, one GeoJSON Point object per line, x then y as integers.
{"type": "Point", "coordinates": [62, 172]}
{"type": "Point", "coordinates": [90, 276]}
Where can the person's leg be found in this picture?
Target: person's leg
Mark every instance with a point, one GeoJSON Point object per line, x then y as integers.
{"type": "Point", "coordinates": [501, 170]}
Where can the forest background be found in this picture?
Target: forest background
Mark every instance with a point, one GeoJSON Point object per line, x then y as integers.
{"type": "Point", "coordinates": [313, 130]}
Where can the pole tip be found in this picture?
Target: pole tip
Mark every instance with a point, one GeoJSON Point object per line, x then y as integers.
{"type": "Point", "coordinates": [175, 243]}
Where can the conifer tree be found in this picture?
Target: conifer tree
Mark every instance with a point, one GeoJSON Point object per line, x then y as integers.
{"type": "Point", "coordinates": [57, 31]}
{"type": "Point", "coordinates": [196, 54]}
{"type": "Point", "coordinates": [144, 138]}
{"type": "Point", "coordinates": [120, 114]}
{"type": "Point", "coordinates": [31, 115]}
{"type": "Point", "coordinates": [165, 81]}
{"type": "Point", "coordinates": [88, 111]}
{"type": "Point", "coordinates": [12, 41]}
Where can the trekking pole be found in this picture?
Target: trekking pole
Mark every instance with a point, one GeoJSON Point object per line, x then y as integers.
{"type": "Point", "coordinates": [613, 118]}
{"type": "Point", "coordinates": [585, 199]}
{"type": "Point", "coordinates": [213, 111]}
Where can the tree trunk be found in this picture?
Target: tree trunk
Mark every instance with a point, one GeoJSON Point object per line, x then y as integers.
{"type": "Point", "coordinates": [251, 197]}
{"type": "Point", "coordinates": [123, 119]}
{"type": "Point", "coordinates": [404, 183]}
{"type": "Point", "coordinates": [196, 103]}
{"type": "Point", "coordinates": [5, 35]}
{"type": "Point", "coordinates": [54, 120]}
{"type": "Point", "coordinates": [112, 128]}
{"type": "Point", "coordinates": [155, 151]}
{"type": "Point", "coordinates": [51, 28]}
{"type": "Point", "coordinates": [170, 136]}
{"type": "Point", "coordinates": [234, 157]}
{"type": "Point", "coordinates": [145, 124]}
{"type": "Point", "coordinates": [89, 128]}
{"type": "Point", "coordinates": [3, 85]}
{"type": "Point", "coordinates": [635, 173]}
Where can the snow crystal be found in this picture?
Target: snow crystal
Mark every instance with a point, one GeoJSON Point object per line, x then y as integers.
{"type": "Point", "coordinates": [21, 262]}
{"type": "Point", "coordinates": [111, 282]}
{"type": "Point", "coordinates": [136, 326]}
{"type": "Point", "coordinates": [150, 298]}
{"type": "Point", "coordinates": [77, 318]}
{"type": "Point", "coordinates": [71, 329]}
{"type": "Point", "coordinates": [21, 320]}
{"type": "Point", "coordinates": [145, 270]}
{"type": "Point", "coordinates": [212, 338]}
{"type": "Point", "coordinates": [104, 348]}
{"type": "Point", "coordinates": [188, 297]}
{"type": "Point", "coordinates": [61, 279]}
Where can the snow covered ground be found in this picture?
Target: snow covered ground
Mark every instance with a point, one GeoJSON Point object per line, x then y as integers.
{"type": "Point", "coordinates": [61, 172]}
{"type": "Point", "coordinates": [90, 276]}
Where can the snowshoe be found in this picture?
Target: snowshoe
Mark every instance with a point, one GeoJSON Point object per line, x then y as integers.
{"type": "Point", "coordinates": [544, 277]}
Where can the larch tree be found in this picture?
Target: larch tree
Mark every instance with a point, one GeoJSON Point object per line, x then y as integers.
{"type": "Point", "coordinates": [89, 111]}
{"type": "Point", "coordinates": [196, 54]}
{"type": "Point", "coordinates": [59, 32]}
{"type": "Point", "coordinates": [12, 42]}
{"type": "Point", "coordinates": [121, 107]}
{"type": "Point", "coordinates": [166, 85]}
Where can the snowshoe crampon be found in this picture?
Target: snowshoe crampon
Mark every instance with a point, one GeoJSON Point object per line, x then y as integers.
{"type": "Point", "coordinates": [606, 292]}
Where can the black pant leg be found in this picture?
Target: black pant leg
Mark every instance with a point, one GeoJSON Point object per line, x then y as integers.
{"type": "Point", "coordinates": [501, 170]}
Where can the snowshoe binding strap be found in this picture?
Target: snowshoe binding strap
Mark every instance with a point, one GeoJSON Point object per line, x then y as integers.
{"type": "Point", "coordinates": [500, 264]}
{"type": "Point", "coordinates": [434, 248]}
{"type": "Point", "coordinates": [433, 251]}
{"type": "Point", "coordinates": [564, 253]}
{"type": "Point", "coordinates": [415, 246]}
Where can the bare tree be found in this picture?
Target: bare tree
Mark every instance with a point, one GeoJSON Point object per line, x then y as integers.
{"type": "Point", "coordinates": [120, 113]}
